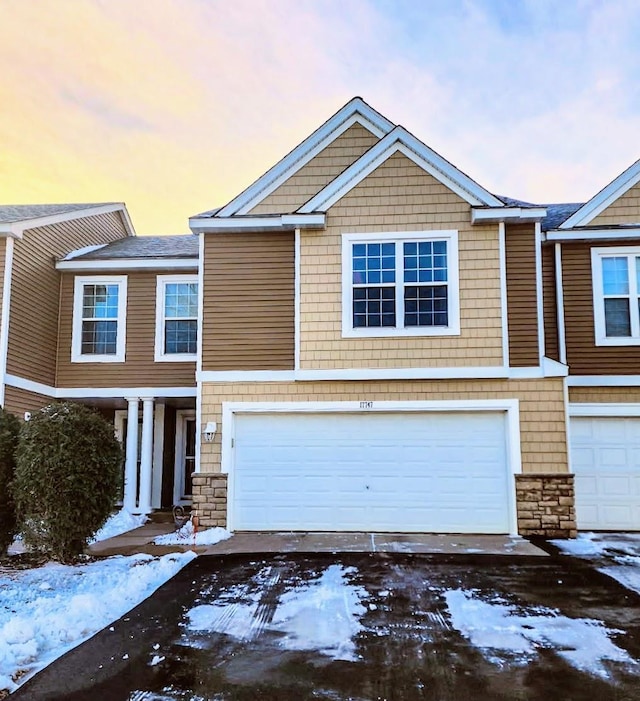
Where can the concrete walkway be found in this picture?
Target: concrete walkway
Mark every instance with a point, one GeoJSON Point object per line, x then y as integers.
{"type": "Point", "coordinates": [140, 540]}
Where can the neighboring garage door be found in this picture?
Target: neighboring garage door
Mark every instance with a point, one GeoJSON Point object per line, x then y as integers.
{"type": "Point", "coordinates": [429, 472]}
{"type": "Point", "coordinates": [605, 455]}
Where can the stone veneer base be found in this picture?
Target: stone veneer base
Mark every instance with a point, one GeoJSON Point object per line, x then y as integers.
{"type": "Point", "coordinates": [210, 499]}
{"type": "Point", "coordinates": [546, 505]}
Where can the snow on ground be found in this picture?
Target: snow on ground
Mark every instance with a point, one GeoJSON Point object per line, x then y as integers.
{"type": "Point", "coordinates": [186, 536]}
{"type": "Point", "coordinates": [320, 615]}
{"type": "Point", "coordinates": [505, 633]}
{"type": "Point", "coordinates": [46, 611]}
{"type": "Point", "coordinates": [118, 523]}
{"type": "Point", "coordinates": [621, 550]}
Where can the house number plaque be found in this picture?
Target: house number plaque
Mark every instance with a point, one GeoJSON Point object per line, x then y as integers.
{"type": "Point", "coordinates": [366, 405]}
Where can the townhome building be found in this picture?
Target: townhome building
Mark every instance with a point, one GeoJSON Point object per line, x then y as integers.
{"type": "Point", "coordinates": [365, 339]}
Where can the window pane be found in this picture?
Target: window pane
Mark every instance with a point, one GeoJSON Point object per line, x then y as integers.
{"type": "Point", "coordinates": [374, 306]}
{"type": "Point", "coordinates": [426, 306]}
{"type": "Point", "coordinates": [615, 276]}
{"type": "Point", "coordinates": [616, 317]}
{"type": "Point", "coordinates": [430, 265]}
{"type": "Point", "coordinates": [181, 300]}
{"type": "Point", "coordinates": [373, 263]}
{"type": "Point", "coordinates": [99, 337]}
{"type": "Point", "coordinates": [100, 301]}
{"type": "Point", "coordinates": [181, 336]}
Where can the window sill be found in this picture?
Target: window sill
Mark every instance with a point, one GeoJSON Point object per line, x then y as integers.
{"type": "Point", "coordinates": [413, 332]}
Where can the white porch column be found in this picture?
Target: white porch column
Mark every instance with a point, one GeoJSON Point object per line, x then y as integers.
{"type": "Point", "coordinates": [158, 455]}
{"type": "Point", "coordinates": [131, 460]}
{"type": "Point", "coordinates": [146, 455]}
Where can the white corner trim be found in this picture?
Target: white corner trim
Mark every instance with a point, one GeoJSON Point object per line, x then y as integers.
{"type": "Point", "coordinates": [200, 301]}
{"type": "Point", "coordinates": [579, 235]}
{"type": "Point", "coordinates": [539, 293]}
{"type": "Point", "coordinates": [240, 224]}
{"type": "Point", "coordinates": [128, 264]}
{"type": "Point", "coordinates": [504, 303]}
{"type": "Point", "coordinates": [609, 194]}
{"type": "Point", "coordinates": [356, 110]}
{"type": "Point", "coordinates": [98, 392]}
{"type": "Point", "coordinates": [603, 380]}
{"type": "Point", "coordinates": [482, 215]}
{"type": "Point", "coordinates": [562, 341]}
{"type": "Point", "coordinates": [297, 301]}
{"type": "Point", "coordinates": [552, 368]}
{"type": "Point", "coordinates": [400, 140]}
{"type": "Point", "coordinates": [76, 336]}
{"type": "Point", "coordinates": [604, 409]}
{"type": "Point", "coordinates": [17, 229]}
{"type": "Point", "coordinates": [5, 315]}
{"type": "Point", "coordinates": [159, 354]}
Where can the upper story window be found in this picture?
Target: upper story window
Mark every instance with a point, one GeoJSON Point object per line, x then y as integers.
{"type": "Point", "coordinates": [400, 284]}
{"type": "Point", "coordinates": [177, 318]}
{"type": "Point", "coordinates": [616, 295]}
{"type": "Point", "coordinates": [99, 319]}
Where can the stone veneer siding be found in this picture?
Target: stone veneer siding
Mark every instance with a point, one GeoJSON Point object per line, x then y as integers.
{"type": "Point", "coordinates": [545, 505]}
{"type": "Point", "coordinates": [210, 499]}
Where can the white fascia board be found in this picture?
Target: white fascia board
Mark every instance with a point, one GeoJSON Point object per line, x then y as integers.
{"type": "Point", "coordinates": [604, 409]}
{"type": "Point", "coordinates": [597, 204]}
{"type": "Point", "coordinates": [481, 215]}
{"type": "Point", "coordinates": [627, 232]}
{"type": "Point", "coordinates": [282, 222]}
{"type": "Point", "coordinates": [129, 264]}
{"type": "Point", "coordinates": [355, 110]}
{"type": "Point", "coordinates": [97, 392]}
{"type": "Point", "coordinates": [400, 140]}
{"type": "Point", "coordinates": [603, 380]}
{"type": "Point", "coordinates": [16, 229]}
{"type": "Point", "coordinates": [553, 368]}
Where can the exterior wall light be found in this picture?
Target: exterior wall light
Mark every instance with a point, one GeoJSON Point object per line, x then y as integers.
{"type": "Point", "coordinates": [210, 431]}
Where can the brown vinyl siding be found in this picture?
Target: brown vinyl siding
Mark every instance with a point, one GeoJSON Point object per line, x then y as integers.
{"type": "Point", "coordinates": [139, 368]}
{"type": "Point", "coordinates": [624, 210]}
{"type": "Point", "coordinates": [522, 305]}
{"type": "Point", "coordinates": [583, 356]}
{"type": "Point", "coordinates": [320, 171]}
{"type": "Point", "coordinates": [248, 302]}
{"type": "Point", "coordinates": [552, 348]}
{"type": "Point", "coordinates": [17, 401]}
{"type": "Point", "coordinates": [33, 323]}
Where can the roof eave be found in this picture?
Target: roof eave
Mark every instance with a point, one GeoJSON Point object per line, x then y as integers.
{"type": "Point", "coordinates": [240, 224]}
{"type": "Point", "coordinates": [513, 215]}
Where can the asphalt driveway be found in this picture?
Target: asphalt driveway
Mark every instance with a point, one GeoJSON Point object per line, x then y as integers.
{"type": "Point", "coordinates": [365, 626]}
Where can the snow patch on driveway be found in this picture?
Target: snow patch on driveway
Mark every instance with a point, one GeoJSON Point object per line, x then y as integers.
{"type": "Point", "coordinates": [506, 633]}
{"type": "Point", "coordinates": [321, 615]}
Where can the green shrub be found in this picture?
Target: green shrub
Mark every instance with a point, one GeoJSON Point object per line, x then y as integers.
{"type": "Point", "coordinates": [68, 466]}
{"type": "Point", "coordinates": [9, 430]}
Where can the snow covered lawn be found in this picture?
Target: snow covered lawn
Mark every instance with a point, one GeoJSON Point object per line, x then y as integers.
{"type": "Point", "coordinates": [44, 612]}
{"type": "Point", "coordinates": [615, 554]}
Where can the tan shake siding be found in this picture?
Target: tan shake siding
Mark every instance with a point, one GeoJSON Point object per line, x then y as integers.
{"type": "Point", "coordinates": [522, 305]}
{"type": "Point", "coordinates": [542, 415]}
{"type": "Point", "coordinates": [399, 196]}
{"type": "Point", "coordinates": [248, 302]}
{"type": "Point", "coordinates": [320, 171]}
{"type": "Point", "coordinates": [17, 401]}
{"type": "Point", "coordinates": [604, 395]}
{"type": "Point", "coordinates": [139, 368]}
{"type": "Point", "coordinates": [583, 356]}
{"type": "Point", "coordinates": [625, 210]}
{"type": "Point", "coordinates": [35, 290]}
{"type": "Point", "coordinates": [552, 349]}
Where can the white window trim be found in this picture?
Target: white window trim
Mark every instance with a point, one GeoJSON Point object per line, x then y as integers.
{"type": "Point", "coordinates": [453, 294]}
{"type": "Point", "coordinates": [159, 354]}
{"type": "Point", "coordinates": [76, 337]}
{"type": "Point", "coordinates": [601, 339]}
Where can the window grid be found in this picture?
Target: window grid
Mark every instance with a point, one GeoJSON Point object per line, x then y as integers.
{"type": "Point", "coordinates": [180, 318]}
{"type": "Point", "coordinates": [99, 335]}
{"type": "Point", "coordinates": [620, 292]}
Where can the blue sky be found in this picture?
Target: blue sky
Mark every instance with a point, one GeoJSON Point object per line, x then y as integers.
{"type": "Point", "coordinates": [174, 106]}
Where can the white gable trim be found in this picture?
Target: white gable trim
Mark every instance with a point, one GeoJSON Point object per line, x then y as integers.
{"type": "Point", "coordinates": [355, 110]}
{"type": "Point", "coordinates": [597, 204]}
{"type": "Point", "coordinates": [400, 140]}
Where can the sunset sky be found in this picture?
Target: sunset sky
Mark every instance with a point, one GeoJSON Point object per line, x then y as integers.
{"type": "Point", "coordinates": [174, 106]}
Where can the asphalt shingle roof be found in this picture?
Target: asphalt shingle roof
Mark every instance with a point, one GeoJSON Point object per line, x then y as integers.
{"type": "Point", "coordinates": [10, 213]}
{"type": "Point", "coordinates": [180, 246]}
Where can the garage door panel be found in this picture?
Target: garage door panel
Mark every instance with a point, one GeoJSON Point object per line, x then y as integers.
{"type": "Point", "coordinates": [377, 471]}
{"type": "Point", "coordinates": [605, 455]}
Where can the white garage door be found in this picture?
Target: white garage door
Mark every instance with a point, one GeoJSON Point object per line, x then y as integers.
{"type": "Point", "coordinates": [444, 472]}
{"type": "Point", "coordinates": [605, 455]}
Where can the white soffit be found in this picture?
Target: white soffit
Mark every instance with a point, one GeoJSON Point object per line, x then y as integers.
{"type": "Point", "coordinates": [597, 204]}
{"type": "Point", "coordinates": [356, 110]}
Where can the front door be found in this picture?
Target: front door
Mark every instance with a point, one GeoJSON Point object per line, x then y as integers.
{"type": "Point", "coordinates": [185, 456]}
